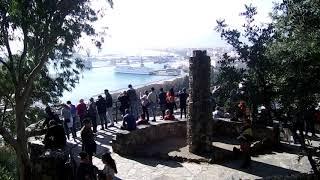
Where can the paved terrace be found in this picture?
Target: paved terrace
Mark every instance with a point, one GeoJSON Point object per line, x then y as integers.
{"type": "Point", "coordinates": [283, 162]}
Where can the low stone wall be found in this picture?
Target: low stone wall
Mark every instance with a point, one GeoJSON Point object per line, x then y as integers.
{"type": "Point", "coordinates": [225, 127]}
{"type": "Point", "coordinates": [130, 143]}
{"type": "Point", "coordinates": [293, 177]}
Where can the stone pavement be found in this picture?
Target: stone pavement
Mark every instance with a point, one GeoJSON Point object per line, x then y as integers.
{"type": "Point", "coordinates": [276, 163]}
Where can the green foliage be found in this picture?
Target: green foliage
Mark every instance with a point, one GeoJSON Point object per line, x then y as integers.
{"type": "Point", "coordinates": [257, 76]}
{"type": "Point", "coordinates": [8, 170]}
{"type": "Point", "coordinates": [47, 32]}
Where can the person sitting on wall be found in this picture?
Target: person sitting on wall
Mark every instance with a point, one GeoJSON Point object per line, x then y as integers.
{"type": "Point", "coordinates": [110, 168]}
{"type": "Point", "coordinates": [129, 122]}
{"type": "Point", "coordinates": [55, 137]}
{"type": "Point", "coordinates": [245, 139]}
{"type": "Point", "coordinates": [169, 115]}
{"type": "Point", "coordinates": [86, 171]}
{"type": "Point", "coordinates": [142, 120]}
{"type": "Point", "coordinates": [218, 113]}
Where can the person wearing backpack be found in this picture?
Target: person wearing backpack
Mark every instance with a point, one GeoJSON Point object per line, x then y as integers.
{"type": "Point", "coordinates": [162, 102]}
{"type": "Point", "coordinates": [170, 100]}
{"type": "Point", "coordinates": [145, 103]}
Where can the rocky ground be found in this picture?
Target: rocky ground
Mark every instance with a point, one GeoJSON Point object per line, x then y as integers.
{"type": "Point", "coordinates": [283, 162]}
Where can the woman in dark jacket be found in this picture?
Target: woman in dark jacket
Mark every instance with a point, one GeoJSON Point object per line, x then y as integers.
{"type": "Point", "coordinates": [124, 102]}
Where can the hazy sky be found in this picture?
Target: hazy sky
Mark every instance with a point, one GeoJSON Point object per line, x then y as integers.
{"type": "Point", "coordinates": [138, 24]}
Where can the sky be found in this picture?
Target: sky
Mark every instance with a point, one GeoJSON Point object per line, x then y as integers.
{"type": "Point", "coordinates": [141, 24]}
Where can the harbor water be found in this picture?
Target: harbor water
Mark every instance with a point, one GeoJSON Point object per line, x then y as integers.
{"type": "Point", "coordinates": [102, 76]}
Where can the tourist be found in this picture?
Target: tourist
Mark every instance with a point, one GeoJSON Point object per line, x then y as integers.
{"type": "Point", "coordinates": [241, 111]}
{"type": "Point", "coordinates": [86, 171]}
{"type": "Point", "coordinates": [133, 101]}
{"type": "Point", "coordinates": [55, 137]}
{"type": "Point", "coordinates": [102, 110]}
{"type": "Point", "coordinates": [170, 100]}
{"type": "Point", "coordinates": [67, 119]}
{"type": "Point", "coordinates": [87, 137]}
{"type": "Point", "coordinates": [162, 102]}
{"type": "Point", "coordinates": [124, 102]}
{"type": "Point", "coordinates": [129, 122]}
{"type": "Point", "coordinates": [183, 96]}
{"type": "Point", "coordinates": [110, 168]}
{"type": "Point", "coordinates": [142, 120]}
{"type": "Point", "coordinates": [169, 115]}
{"type": "Point", "coordinates": [145, 104]}
{"type": "Point", "coordinates": [153, 99]}
{"type": "Point", "coordinates": [92, 114]}
{"type": "Point", "coordinates": [310, 120]}
{"type": "Point", "coordinates": [109, 105]}
{"type": "Point", "coordinates": [81, 111]}
{"type": "Point", "coordinates": [245, 139]}
{"type": "Point", "coordinates": [73, 110]}
{"type": "Point", "coordinates": [218, 113]}
{"type": "Point", "coordinates": [50, 116]}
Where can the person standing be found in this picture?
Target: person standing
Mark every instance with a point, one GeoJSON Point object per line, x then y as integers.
{"type": "Point", "coordinates": [67, 119]}
{"type": "Point", "coordinates": [170, 100]}
{"type": "Point", "coordinates": [162, 102]}
{"type": "Point", "coordinates": [81, 111]}
{"type": "Point", "coordinates": [133, 101]}
{"type": "Point", "coordinates": [124, 102]}
{"type": "Point", "coordinates": [145, 104]}
{"type": "Point", "coordinates": [92, 113]}
{"type": "Point", "coordinates": [102, 109]}
{"type": "Point", "coordinates": [73, 110]}
{"type": "Point", "coordinates": [87, 137]}
{"type": "Point", "coordinates": [183, 96]}
{"type": "Point", "coordinates": [153, 99]}
{"type": "Point", "coordinates": [109, 107]}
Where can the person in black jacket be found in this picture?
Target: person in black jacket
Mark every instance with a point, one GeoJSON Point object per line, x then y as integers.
{"type": "Point", "coordinates": [86, 171]}
{"type": "Point", "coordinates": [124, 102]}
{"type": "Point", "coordinates": [109, 107]}
{"type": "Point", "coordinates": [55, 137]}
{"type": "Point", "coordinates": [162, 102]}
{"type": "Point", "coordinates": [50, 116]}
{"type": "Point", "coordinates": [87, 137]}
{"type": "Point", "coordinates": [92, 113]}
{"type": "Point", "coordinates": [183, 96]}
{"type": "Point", "coordinates": [102, 109]}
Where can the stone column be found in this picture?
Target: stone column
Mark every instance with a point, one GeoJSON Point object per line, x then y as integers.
{"type": "Point", "coordinates": [200, 115]}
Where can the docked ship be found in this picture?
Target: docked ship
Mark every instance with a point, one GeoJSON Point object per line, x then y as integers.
{"type": "Point", "coordinates": [168, 72]}
{"type": "Point", "coordinates": [127, 69]}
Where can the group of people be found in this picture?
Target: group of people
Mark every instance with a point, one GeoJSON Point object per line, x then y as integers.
{"type": "Point", "coordinates": [149, 101]}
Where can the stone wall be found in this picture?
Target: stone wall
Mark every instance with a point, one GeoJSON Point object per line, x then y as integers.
{"type": "Point", "coordinates": [130, 143]}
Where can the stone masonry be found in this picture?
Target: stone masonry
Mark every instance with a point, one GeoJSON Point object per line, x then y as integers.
{"type": "Point", "coordinates": [198, 128]}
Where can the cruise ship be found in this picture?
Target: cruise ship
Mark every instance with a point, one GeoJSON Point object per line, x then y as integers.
{"type": "Point", "coordinates": [127, 69]}
{"type": "Point", "coordinates": [168, 72]}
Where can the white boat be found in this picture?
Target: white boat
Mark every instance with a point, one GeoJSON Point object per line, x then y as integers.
{"type": "Point", "coordinates": [126, 69]}
{"type": "Point", "coordinates": [168, 72]}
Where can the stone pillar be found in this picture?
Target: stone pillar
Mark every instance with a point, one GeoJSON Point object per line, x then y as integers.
{"type": "Point", "coordinates": [200, 115]}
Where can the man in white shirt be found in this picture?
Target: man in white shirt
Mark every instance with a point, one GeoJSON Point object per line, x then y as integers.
{"type": "Point", "coordinates": [153, 98]}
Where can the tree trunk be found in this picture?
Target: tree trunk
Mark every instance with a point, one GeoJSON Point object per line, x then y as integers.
{"type": "Point", "coordinates": [23, 160]}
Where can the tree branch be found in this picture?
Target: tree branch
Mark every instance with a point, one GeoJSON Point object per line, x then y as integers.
{"type": "Point", "coordinates": [24, 52]}
{"type": "Point", "coordinates": [8, 137]}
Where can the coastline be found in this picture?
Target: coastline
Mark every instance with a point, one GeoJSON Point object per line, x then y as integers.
{"type": "Point", "coordinates": [176, 82]}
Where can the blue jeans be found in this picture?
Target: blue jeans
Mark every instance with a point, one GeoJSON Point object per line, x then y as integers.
{"type": "Point", "coordinates": [153, 108]}
{"type": "Point", "coordinates": [103, 119]}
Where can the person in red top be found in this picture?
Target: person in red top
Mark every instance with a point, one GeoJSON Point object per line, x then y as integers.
{"type": "Point", "coordinates": [81, 111]}
{"type": "Point", "coordinates": [169, 115]}
{"type": "Point", "coordinates": [170, 98]}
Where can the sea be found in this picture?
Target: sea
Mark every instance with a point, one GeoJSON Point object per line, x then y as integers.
{"type": "Point", "coordinates": [102, 76]}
